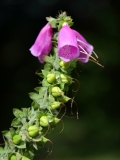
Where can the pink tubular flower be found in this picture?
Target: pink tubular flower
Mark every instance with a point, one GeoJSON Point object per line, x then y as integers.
{"type": "Point", "coordinates": [67, 44]}
{"type": "Point", "coordinates": [85, 48]}
{"type": "Point", "coordinates": [43, 43]}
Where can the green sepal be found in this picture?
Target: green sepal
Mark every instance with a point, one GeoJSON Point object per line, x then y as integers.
{"type": "Point", "coordinates": [52, 21]}
{"type": "Point", "coordinates": [63, 99]}
{"type": "Point", "coordinates": [17, 112]}
{"type": "Point", "coordinates": [49, 59]}
{"type": "Point", "coordinates": [22, 145]}
{"type": "Point", "coordinates": [47, 67]}
{"type": "Point", "coordinates": [16, 122]}
{"type": "Point", "coordinates": [12, 131]}
{"type": "Point", "coordinates": [35, 145]}
{"type": "Point", "coordinates": [51, 98]}
{"type": "Point", "coordinates": [1, 150]}
{"type": "Point", "coordinates": [25, 158]}
{"type": "Point", "coordinates": [45, 73]}
{"type": "Point", "coordinates": [7, 134]}
{"type": "Point", "coordinates": [34, 96]}
{"type": "Point", "coordinates": [45, 83]}
{"type": "Point", "coordinates": [40, 75]}
{"type": "Point", "coordinates": [44, 140]}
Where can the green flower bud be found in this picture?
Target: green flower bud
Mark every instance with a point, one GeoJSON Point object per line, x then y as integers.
{"type": "Point", "coordinates": [13, 157]}
{"type": "Point", "coordinates": [16, 139]}
{"type": "Point", "coordinates": [44, 139]}
{"type": "Point", "coordinates": [25, 158]}
{"type": "Point", "coordinates": [55, 105]}
{"type": "Point", "coordinates": [47, 67]}
{"type": "Point", "coordinates": [51, 78]}
{"type": "Point", "coordinates": [64, 99]}
{"type": "Point", "coordinates": [64, 65]}
{"type": "Point", "coordinates": [44, 121]}
{"type": "Point", "coordinates": [33, 131]}
{"type": "Point", "coordinates": [56, 91]}
{"type": "Point", "coordinates": [65, 78]}
{"type": "Point", "coordinates": [56, 120]}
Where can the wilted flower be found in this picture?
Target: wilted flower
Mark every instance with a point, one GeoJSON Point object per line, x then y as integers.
{"type": "Point", "coordinates": [85, 48]}
{"type": "Point", "coordinates": [67, 44]}
{"type": "Point", "coordinates": [43, 43]}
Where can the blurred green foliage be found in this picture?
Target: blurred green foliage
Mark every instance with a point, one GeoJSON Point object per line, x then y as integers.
{"type": "Point", "coordinates": [96, 134]}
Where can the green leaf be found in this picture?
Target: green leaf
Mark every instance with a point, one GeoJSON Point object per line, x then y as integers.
{"type": "Point", "coordinates": [52, 21]}
{"type": "Point", "coordinates": [26, 111]}
{"type": "Point", "coordinates": [38, 139]}
{"type": "Point", "coordinates": [40, 74]}
{"type": "Point", "coordinates": [7, 134]}
{"type": "Point", "coordinates": [57, 60]}
{"type": "Point", "coordinates": [49, 59]}
{"type": "Point", "coordinates": [17, 112]}
{"type": "Point", "coordinates": [37, 89]}
{"type": "Point", "coordinates": [12, 131]}
{"type": "Point", "coordinates": [22, 145]}
{"type": "Point", "coordinates": [44, 105]}
{"type": "Point", "coordinates": [35, 105]}
{"type": "Point", "coordinates": [16, 122]}
{"type": "Point", "coordinates": [1, 150]}
{"type": "Point", "coordinates": [42, 90]}
{"type": "Point", "coordinates": [51, 98]}
{"type": "Point", "coordinates": [45, 83]}
{"type": "Point", "coordinates": [18, 155]}
{"type": "Point", "coordinates": [34, 96]}
{"type": "Point", "coordinates": [45, 73]}
{"type": "Point", "coordinates": [35, 145]}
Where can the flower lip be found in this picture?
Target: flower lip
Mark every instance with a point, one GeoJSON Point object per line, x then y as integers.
{"type": "Point", "coordinates": [67, 44]}
{"type": "Point", "coordinates": [85, 48]}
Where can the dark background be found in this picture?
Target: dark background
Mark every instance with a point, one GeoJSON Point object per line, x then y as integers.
{"type": "Point", "coordinates": [96, 135]}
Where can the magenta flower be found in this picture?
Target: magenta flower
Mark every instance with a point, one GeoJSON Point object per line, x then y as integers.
{"type": "Point", "coordinates": [67, 44]}
{"type": "Point", "coordinates": [43, 43]}
{"type": "Point", "coordinates": [85, 48]}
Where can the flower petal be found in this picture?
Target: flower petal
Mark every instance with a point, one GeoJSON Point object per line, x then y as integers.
{"type": "Point", "coordinates": [67, 44]}
{"type": "Point", "coordinates": [85, 48]}
{"type": "Point", "coordinates": [43, 43]}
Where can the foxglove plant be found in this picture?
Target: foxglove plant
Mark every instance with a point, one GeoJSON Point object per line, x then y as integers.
{"type": "Point", "coordinates": [60, 52]}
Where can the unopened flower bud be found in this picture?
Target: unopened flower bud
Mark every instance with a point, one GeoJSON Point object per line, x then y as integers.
{"type": "Point", "coordinates": [16, 139]}
{"type": "Point", "coordinates": [54, 105]}
{"type": "Point", "coordinates": [47, 67]}
{"type": "Point", "coordinates": [44, 139]}
{"type": "Point", "coordinates": [13, 157]}
{"type": "Point", "coordinates": [44, 121]}
{"type": "Point", "coordinates": [64, 65]}
{"type": "Point", "coordinates": [25, 158]}
{"type": "Point", "coordinates": [56, 91]}
{"type": "Point", "coordinates": [33, 131]}
{"type": "Point", "coordinates": [51, 78]}
{"type": "Point", "coordinates": [64, 99]}
{"type": "Point", "coordinates": [65, 78]}
{"type": "Point", "coordinates": [56, 120]}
